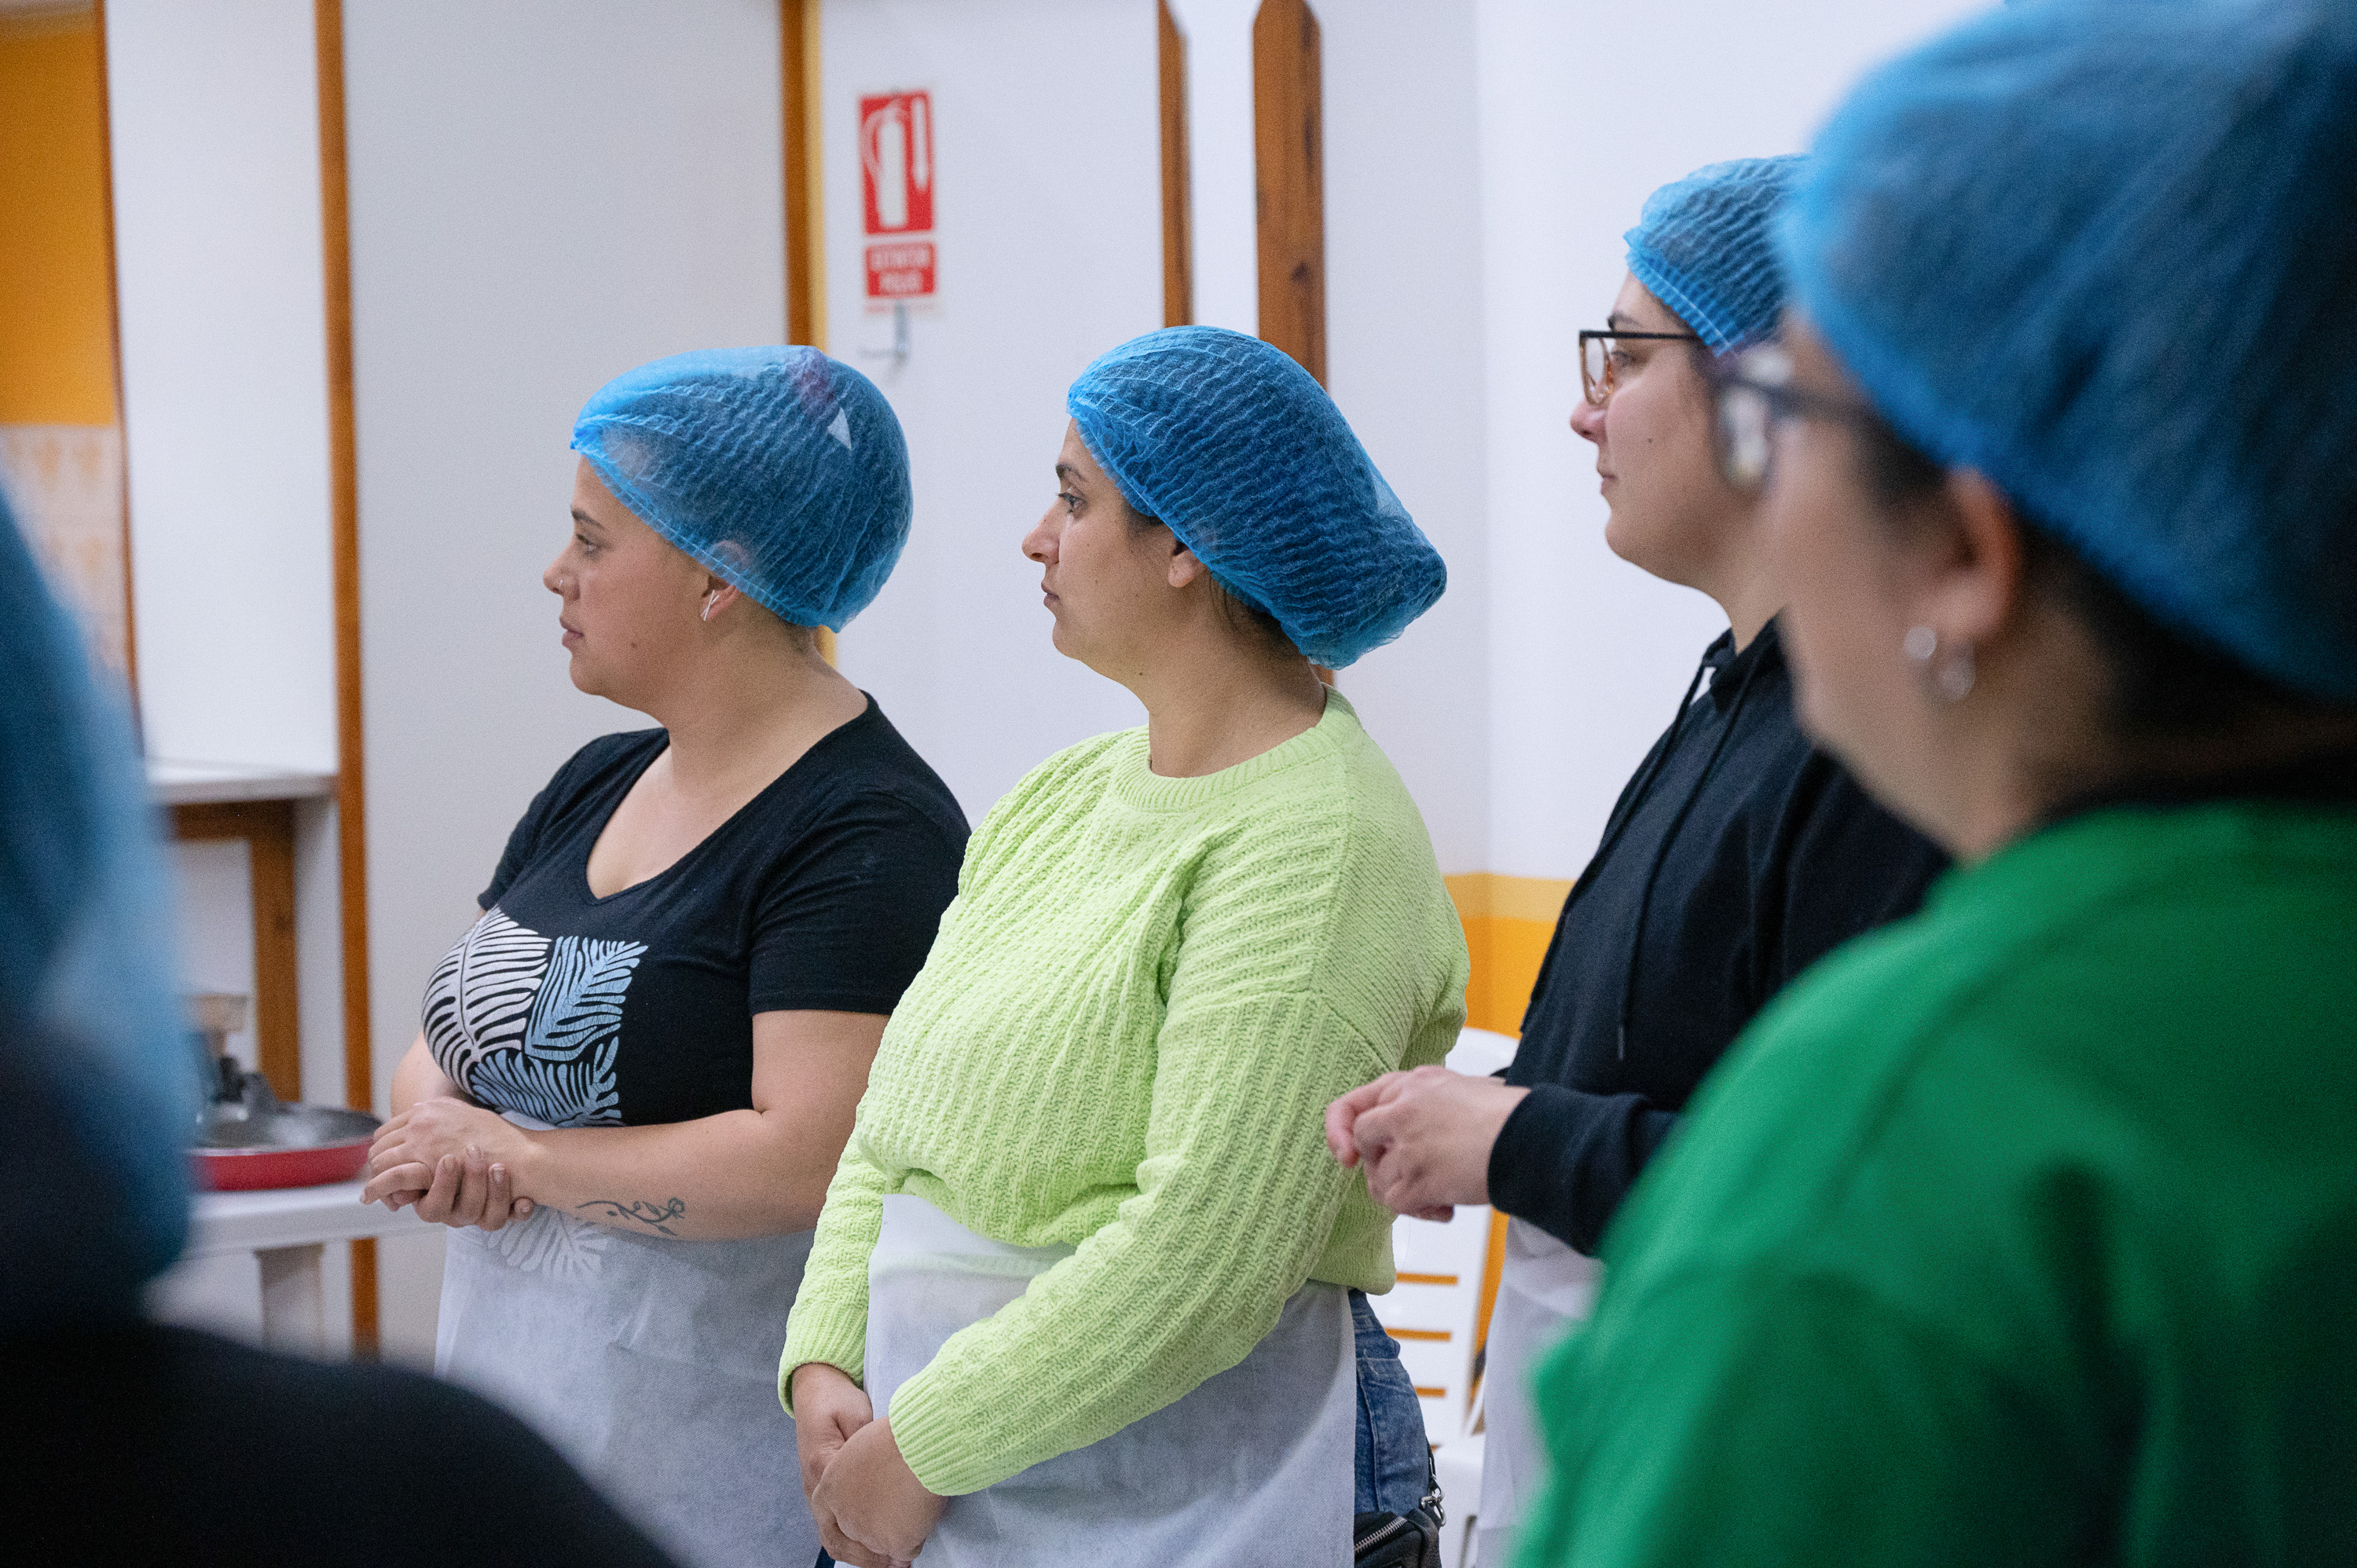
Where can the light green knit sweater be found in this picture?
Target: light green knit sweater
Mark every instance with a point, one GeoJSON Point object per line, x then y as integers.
{"type": "Point", "coordinates": [1140, 1003]}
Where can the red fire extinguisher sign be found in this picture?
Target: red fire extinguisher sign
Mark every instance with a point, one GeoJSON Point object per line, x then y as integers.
{"type": "Point", "coordinates": [895, 160]}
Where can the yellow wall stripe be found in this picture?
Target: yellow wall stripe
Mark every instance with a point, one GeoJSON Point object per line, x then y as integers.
{"type": "Point", "coordinates": [56, 318]}
{"type": "Point", "coordinates": [1508, 922]}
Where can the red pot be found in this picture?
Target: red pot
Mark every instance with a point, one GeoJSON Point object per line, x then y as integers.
{"type": "Point", "coordinates": [287, 1145]}
{"type": "Point", "coordinates": [246, 1170]}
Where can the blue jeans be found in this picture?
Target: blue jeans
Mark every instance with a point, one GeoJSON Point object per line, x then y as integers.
{"type": "Point", "coordinates": [1394, 1462]}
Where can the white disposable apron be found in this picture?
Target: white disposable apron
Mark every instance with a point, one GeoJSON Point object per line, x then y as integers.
{"type": "Point", "coordinates": [650, 1362]}
{"type": "Point", "coordinates": [1253, 1466]}
{"type": "Point", "coordinates": [1543, 1289]}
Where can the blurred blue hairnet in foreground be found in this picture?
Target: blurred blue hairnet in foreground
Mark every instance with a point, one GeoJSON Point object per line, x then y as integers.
{"type": "Point", "coordinates": [1706, 247]}
{"type": "Point", "coordinates": [781, 470]}
{"type": "Point", "coordinates": [1243, 456]}
{"type": "Point", "coordinates": [95, 1071]}
{"type": "Point", "coordinates": [2105, 252]}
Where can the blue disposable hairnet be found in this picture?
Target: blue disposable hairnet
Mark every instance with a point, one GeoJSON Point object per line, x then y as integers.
{"type": "Point", "coordinates": [1706, 246]}
{"type": "Point", "coordinates": [95, 1068]}
{"type": "Point", "coordinates": [781, 470]}
{"type": "Point", "coordinates": [1243, 456]}
{"type": "Point", "coordinates": [2101, 251]}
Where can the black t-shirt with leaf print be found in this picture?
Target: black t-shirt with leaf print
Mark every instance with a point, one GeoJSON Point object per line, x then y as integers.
{"type": "Point", "coordinates": [822, 893]}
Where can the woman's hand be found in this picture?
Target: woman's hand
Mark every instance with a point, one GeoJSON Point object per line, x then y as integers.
{"type": "Point", "coordinates": [1425, 1137]}
{"type": "Point", "coordinates": [828, 1408]}
{"type": "Point", "coordinates": [457, 1162]}
{"type": "Point", "coordinates": [462, 1189]}
{"type": "Point", "coordinates": [871, 1499]}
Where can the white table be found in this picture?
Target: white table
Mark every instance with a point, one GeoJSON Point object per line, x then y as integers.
{"type": "Point", "coordinates": [252, 1267]}
{"type": "Point", "coordinates": [172, 783]}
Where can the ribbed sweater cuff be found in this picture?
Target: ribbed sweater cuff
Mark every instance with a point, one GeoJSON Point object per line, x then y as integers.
{"type": "Point", "coordinates": [937, 1446]}
{"type": "Point", "coordinates": [833, 1333]}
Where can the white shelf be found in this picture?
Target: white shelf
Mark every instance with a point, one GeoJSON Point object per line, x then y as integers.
{"type": "Point", "coordinates": [171, 783]}
{"type": "Point", "coordinates": [290, 1217]}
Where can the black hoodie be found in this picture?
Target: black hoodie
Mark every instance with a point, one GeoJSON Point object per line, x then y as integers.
{"type": "Point", "coordinates": [1739, 855]}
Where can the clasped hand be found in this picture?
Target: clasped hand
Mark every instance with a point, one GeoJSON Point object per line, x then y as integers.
{"type": "Point", "coordinates": [1425, 1137]}
{"type": "Point", "coordinates": [872, 1512]}
{"type": "Point", "coordinates": [456, 1162]}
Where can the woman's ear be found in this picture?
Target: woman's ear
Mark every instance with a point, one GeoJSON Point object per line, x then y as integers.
{"type": "Point", "coordinates": [1973, 589]}
{"type": "Point", "coordinates": [716, 597]}
{"type": "Point", "coordinates": [1185, 564]}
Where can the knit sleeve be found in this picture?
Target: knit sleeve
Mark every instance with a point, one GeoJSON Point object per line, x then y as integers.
{"type": "Point", "coordinates": [829, 1321]}
{"type": "Point", "coordinates": [1236, 1196]}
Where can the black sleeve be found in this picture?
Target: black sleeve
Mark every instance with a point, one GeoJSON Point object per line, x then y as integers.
{"type": "Point", "coordinates": [845, 923]}
{"type": "Point", "coordinates": [1846, 865]}
{"type": "Point", "coordinates": [1564, 1159]}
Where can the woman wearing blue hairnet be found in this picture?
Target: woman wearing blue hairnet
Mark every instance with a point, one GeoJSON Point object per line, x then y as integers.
{"type": "Point", "coordinates": [110, 1419]}
{"type": "Point", "coordinates": [639, 1065]}
{"type": "Point", "coordinates": [1737, 856]}
{"type": "Point", "coordinates": [1085, 1252]}
{"type": "Point", "coordinates": [2026, 1230]}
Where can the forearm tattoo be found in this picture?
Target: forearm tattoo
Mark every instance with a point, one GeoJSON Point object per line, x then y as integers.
{"type": "Point", "coordinates": [643, 1213]}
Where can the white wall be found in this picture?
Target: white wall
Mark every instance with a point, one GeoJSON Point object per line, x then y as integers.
{"type": "Point", "coordinates": [1585, 107]}
{"type": "Point", "coordinates": [545, 193]}
{"type": "Point", "coordinates": [1223, 214]}
{"type": "Point", "coordinates": [1403, 317]}
{"type": "Point", "coordinates": [215, 129]}
{"type": "Point", "coordinates": [1050, 221]}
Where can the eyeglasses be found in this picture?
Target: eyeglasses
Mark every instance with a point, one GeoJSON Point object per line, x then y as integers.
{"type": "Point", "coordinates": [1600, 362]}
{"type": "Point", "coordinates": [1752, 396]}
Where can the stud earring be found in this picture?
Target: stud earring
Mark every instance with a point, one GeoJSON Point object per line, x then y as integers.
{"type": "Point", "coordinates": [709, 601]}
{"type": "Point", "coordinates": [1949, 679]}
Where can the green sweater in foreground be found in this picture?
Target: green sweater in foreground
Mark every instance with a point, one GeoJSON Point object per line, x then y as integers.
{"type": "Point", "coordinates": [1140, 1004]}
{"type": "Point", "coordinates": [2022, 1233]}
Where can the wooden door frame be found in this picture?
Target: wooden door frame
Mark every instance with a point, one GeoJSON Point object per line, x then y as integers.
{"type": "Point", "coordinates": [1289, 180]}
{"type": "Point", "coordinates": [352, 740]}
{"type": "Point", "coordinates": [1177, 188]}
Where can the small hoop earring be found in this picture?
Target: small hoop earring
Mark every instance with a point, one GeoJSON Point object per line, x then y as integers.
{"type": "Point", "coordinates": [1948, 679]}
{"type": "Point", "coordinates": [708, 601]}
